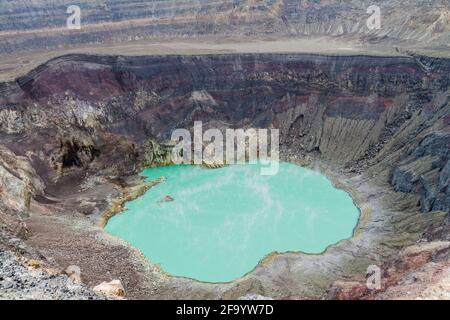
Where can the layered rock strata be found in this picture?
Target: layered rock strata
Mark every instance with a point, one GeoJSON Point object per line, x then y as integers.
{"type": "Point", "coordinates": [41, 24]}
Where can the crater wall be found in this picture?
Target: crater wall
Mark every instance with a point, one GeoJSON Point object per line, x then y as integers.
{"type": "Point", "coordinates": [347, 111]}
{"type": "Point", "coordinates": [74, 130]}
{"type": "Point", "coordinates": [31, 25]}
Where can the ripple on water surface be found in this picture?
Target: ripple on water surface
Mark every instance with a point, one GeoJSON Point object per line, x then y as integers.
{"type": "Point", "coordinates": [217, 224]}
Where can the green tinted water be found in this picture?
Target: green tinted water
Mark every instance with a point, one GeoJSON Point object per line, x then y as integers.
{"type": "Point", "coordinates": [222, 222]}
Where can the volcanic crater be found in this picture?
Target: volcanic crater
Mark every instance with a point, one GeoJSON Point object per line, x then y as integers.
{"type": "Point", "coordinates": [77, 130]}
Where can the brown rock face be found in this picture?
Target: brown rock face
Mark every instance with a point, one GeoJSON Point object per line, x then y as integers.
{"type": "Point", "coordinates": [418, 272]}
{"type": "Point", "coordinates": [343, 109]}
{"type": "Point", "coordinates": [18, 184]}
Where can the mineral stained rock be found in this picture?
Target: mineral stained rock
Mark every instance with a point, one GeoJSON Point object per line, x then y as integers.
{"type": "Point", "coordinates": [418, 272]}
{"type": "Point", "coordinates": [112, 289]}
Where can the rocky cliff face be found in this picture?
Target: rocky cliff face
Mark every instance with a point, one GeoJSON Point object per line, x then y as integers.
{"type": "Point", "coordinates": [18, 184]}
{"type": "Point", "coordinates": [29, 25]}
{"type": "Point", "coordinates": [343, 109]}
{"type": "Point", "coordinates": [426, 170]}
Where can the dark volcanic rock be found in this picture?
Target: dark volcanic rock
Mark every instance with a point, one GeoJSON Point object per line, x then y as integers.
{"type": "Point", "coordinates": [426, 171]}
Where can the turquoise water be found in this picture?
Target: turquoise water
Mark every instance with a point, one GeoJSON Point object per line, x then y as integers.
{"type": "Point", "coordinates": [222, 222]}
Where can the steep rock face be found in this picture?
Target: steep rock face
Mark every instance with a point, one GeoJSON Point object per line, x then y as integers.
{"type": "Point", "coordinates": [74, 113]}
{"type": "Point", "coordinates": [40, 24]}
{"type": "Point", "coordinates": [18, 183]}
{"type": "Point", "coordinates": [426, 170]}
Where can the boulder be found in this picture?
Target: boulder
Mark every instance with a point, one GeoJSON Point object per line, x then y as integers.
{"type": "Point", "coordinates": [112, 289]}
{"type": "Point", "coordinates": [166, 199]}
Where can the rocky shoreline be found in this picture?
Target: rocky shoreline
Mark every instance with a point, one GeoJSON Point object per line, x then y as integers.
{"type": "Point", "coordinates": [129, 193]}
